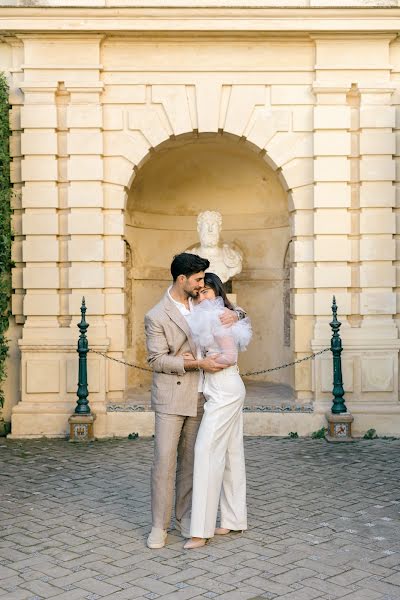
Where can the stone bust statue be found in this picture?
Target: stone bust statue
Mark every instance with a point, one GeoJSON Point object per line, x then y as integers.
{"type": "Point", "coordinates": [225, 261]}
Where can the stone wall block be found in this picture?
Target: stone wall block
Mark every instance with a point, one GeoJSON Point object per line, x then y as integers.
{"type": "Point", "coordinates": [330, 169]}
{"type": "Point", "coordinates": [328, 248]}
{"type": "Point", "coordinates": [85, 168]}
{"type": "Point", "coordinates": [298, 172]}
{"type": "Point", "coordinates": [302, 276]}
{"type": "Point", "coordinates": [85, 222]}
{"type": "Point", "coordinates": [147, 120]}
{"type": "Point", "coordinates": [303, 118]}
{"type": "Point", "coordinates": [291, 94]}
{"type": "Point", "coordinates": [377, 220]}
{"type": "Point", "coordinates": [332, 221]}
{"type": "Point", "coordinates": [377, 168]}
{"type": "Point", "coordinates": [116, 332]}
{"type": "Point", "coordinates": [115, 304]}
{"type": "Point", "coordinates": [85, 194]}
{"type": "Point", "coordinates": [118, 170]}
{"type": "Point", "coordinates": [377, 303]}
{"type": "Point", "coordinates": [16, 278]}
{"type": "Point", "coordinates": [302, 304]}
{"type": "Point", "coordinates": [40, 249]}
{"type": "Point", "coordinates": [39, 223]}
{"type": "Point", "coordinates": [303, 223]}
{"type": "Point", "coordinates": [377, 142]}
{"type": "Point", "coordinates": [332, 143]}
{"type": "Point", "coordinates": [94, 303]}
{"type": "Point", "coordinates": [16, 251]}
{"type": "Point", "coordinates": [332, 276]}
{"type": "Point", "coordinates": [16, 171]}
{"type": "Point", "coordinates": [39, 168]}
{"type": "Point", "coordinates": [377, 275]}
{"type": "Point", "coordinates": [115, 196]}
{"type": "Point", "coordinates": [42, 277]}
{"type": "Point", "coordinates": [41, 304]}
{"type": "Point", "coordinates": [242, 101]}
{"type": "Point", "coordinates": [84, 276]}
{"type": "Point", "coordinates": [42, 376]}
{"type": "Point", "coordinates": [114, 276]}
{"type": "Point", "coordinates": [114, 223]}
{"type": "Point", "coordinates": [132, 146]}
{"type": "Point", "coordinates": [43, 194]}
{"type": "Point", "coordinates": [263, 128]}
{"type": "Point", "coordinates": [332, 194]}
{"type": "Point", "coordinates": [175, 102]}
{"type": "Point", "coordinates": [84, 116]}
{"type": "Point", "coordinates": [323, 304]}
{"type": "Point", "coordinates": [39, 142]}
{"type": "Point", "coordinates": [377, 248]}
{"type": "Point", "coordinates": [85, 248]}
{"type": "Point", "coordinates": [303, 251]}
{"type": "Point", "coordinates": [332, 117]}
{"type": "Point", "coordinates": [285, 147]}
{"type": "Point", "coordinates": [208, 100]}
{"type": "Point", "coordinates": [85, 142]}
{"type": "Point", "coordinates": [377, 116]}
{"type": "Point", "coordinates": [301, 198]}
{"type": "Point", "coordinates": [113, 118]}
{"type": "Point", "coordinates": [34, 116]}
{"type": "Point", "coordinates": [377, 193]}
{"type": "Point", "coordinates": [114, 249]}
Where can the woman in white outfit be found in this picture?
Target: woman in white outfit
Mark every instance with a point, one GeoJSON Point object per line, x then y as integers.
{"type": "Point", "coordinates": [219, 469]}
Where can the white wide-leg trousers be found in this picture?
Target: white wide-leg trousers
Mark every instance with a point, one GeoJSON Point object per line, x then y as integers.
{"type": "Point", "coordinates": [219, 468]}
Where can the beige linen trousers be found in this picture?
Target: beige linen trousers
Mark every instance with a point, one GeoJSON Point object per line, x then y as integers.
{"type": "Point", "coordinates": [178, 410]}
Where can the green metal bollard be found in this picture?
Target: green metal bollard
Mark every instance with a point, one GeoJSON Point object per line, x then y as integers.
{"type": "Point", "coordinates": [338, 406]}
{"type": "Point", "coordinates": [339, 420]}
{"type": "Point", "coordinates": [81, 421]}
{"type": "Point", "coordinates": [82, 406]}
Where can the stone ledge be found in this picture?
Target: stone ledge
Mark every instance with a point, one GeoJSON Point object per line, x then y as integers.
{"type": "Point", "coordinates": [199, 3]}
{"type": "Point", "coordinates": [284, 408]}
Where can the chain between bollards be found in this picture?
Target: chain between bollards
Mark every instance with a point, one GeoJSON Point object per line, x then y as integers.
{"type": "Point", "coordinates": [247, 374]}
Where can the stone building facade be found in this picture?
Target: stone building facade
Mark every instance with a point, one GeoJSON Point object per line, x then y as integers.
{"type": "Point", "coordinates": [130, 117]}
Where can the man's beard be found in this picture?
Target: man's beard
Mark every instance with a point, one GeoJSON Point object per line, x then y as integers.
{"type": "Point", "coordinates": [193, 294]}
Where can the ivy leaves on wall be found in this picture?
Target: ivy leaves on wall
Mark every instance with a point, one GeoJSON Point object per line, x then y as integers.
{"type": "Point", "coordinates": [5, 228]}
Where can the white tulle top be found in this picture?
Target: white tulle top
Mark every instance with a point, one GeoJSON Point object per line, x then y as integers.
{"type": "Point", "coordinates": [213, 338]}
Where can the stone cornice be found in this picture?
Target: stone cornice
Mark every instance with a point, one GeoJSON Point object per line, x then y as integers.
{"type": "Point", "coordinates": [64, 21]}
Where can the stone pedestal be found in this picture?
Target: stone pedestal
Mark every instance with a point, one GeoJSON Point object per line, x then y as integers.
{"type": "Point", "coordinates": [339, 427]}
{"type": "Point", "coordinates": [81, 428]}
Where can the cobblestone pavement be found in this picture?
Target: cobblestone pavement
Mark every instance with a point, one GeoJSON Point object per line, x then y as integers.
{"type": "Point", "coordinates": [323, 523]}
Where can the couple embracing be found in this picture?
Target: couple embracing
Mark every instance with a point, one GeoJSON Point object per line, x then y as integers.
{"type": "Point", "coordinates": [193, 336]}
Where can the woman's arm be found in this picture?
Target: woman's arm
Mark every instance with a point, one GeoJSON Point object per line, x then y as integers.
{"type": "Point", "coordinates": [228, 354]}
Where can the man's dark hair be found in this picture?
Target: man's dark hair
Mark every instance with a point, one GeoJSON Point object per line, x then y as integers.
{"type": "Point", "coordinates": [188, 264]}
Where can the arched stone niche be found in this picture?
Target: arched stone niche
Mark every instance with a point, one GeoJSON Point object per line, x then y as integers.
{"type": "Point", "coordinates": [181, 178]}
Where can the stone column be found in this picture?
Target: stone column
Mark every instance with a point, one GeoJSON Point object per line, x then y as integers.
{"type": "Point", "coordinates": [62, 224]}
{"type": "Point", "coordinates": [358, 261]}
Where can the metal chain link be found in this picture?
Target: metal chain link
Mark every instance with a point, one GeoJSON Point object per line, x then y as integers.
{"type": "Point", "coordinates": [295, 362]}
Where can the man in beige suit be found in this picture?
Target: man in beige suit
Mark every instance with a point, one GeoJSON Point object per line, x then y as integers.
{"type": "Point", "coordinates": [176, 395]}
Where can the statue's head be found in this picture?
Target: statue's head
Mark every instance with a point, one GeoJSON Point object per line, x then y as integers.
{"type": "Point", "coordinates": [209, 225]}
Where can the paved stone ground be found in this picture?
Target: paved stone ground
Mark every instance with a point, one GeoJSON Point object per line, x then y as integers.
{"type": "Point", "coordinates": [324, 524]}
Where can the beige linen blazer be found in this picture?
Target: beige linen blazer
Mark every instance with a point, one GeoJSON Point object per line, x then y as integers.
{"type": "Point", "coordinates": [173, 390]}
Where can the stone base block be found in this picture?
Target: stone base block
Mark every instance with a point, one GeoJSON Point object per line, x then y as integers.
{"type": "Point", "coordinates": [81, 428]}
{"type": "Point", "coordinates": [339, 427]}
{"type": "Point", "coordinates": [121, 424]}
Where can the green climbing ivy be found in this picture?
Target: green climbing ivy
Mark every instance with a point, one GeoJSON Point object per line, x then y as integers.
{"type": "Point", "coordinates": [5, 228]}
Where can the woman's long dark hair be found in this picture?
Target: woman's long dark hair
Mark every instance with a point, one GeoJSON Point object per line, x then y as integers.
{"type": "Point", "coordinates": [212, 281]}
